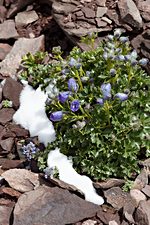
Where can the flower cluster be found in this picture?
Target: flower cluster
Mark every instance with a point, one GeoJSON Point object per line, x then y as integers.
{"type": "Point", "coordinates": [29, 150]}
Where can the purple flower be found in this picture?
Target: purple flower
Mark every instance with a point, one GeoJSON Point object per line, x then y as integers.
{"type": "Point", "coordinates": [106, 90]}
{"type": "Point", "coordinates": [88, 73]}
{"type": "Point", "coordinates": [56, 116]}
{"type": "Point", "coordinates": [121, 96]}
{"type": "Point", "coordinates": [29, 150]}
{"type": "Point", "coordinates": [127, 57]}
{"type": "Point", "coordinates": [63, 96]}
{"type": "Point", "coordinates": [124, 39]}
{"type": "Point", "coordinates": [72, 62]}
{"type": "Point", "coordinates": [112, 72]}
{"type": "Point", "coordinates": [117, 33]}
{"type": "Point", "coordinates": [75, 104]}
{"type": "Point", "coordinates": [121, 57]}
{"type": "Point", "coordinates": [100, 101]}
{"type": "Point", "coordinates": [72, 85]}
{"type": "Point", "coordinates": [143, 61]}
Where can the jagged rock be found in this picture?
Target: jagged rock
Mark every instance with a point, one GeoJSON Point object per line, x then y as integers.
{"type": "Point", "coordinates": [21, 180]}
{"type": "Point", "coordinates": [101, 3]}
{"type": "Point", "coordinates": [1, 97]}
{"type": "Point", "coordinates": [109, 183]}
{"type": "Point", "coordinates": [144, 7]}
{"type": "Point", "coordinates": [18, 130]}
{"type": "Point", "coordinates": [142, 215]}
{"type": "Point", "coordinates": [4, 50]}
{"type": "Point", "coordinates": [116, 197]}
{"type": "Point", "coordinates": [129, 13]}
{"type": "Point", "coordinates": [129, 209]}
{"type": "Point", "coordinates": [1, 2]}
{"type": "Point", "coordinates": [141, 180]}
{"type": "Point", "coordinates": [89, 13]}
{"type": "Point", "coordinates": [5, 213]}
{"type": "Point", "coordinates": [10, 64]}
{"type": "Point", "coordinates": [89, 222]}
{"type": "Point", "coordinates": [3, 12]}
{"type": "Point", "coordinates": [106, 214]}
{"type": "Point", "coordinates": [11, 192]}
{"type": "Point", "coordinates": [6, 145]}
{"type": "Point", "coordinates": [137, 196]}
{"type": "Point", "coordinates": [8, 30]}
{"type": "Point", "coordinates": [63, 8]}
{"type": "Point", "coordinates": [101, 11]}
{"type": "Point", "coordinates": [113, 15]}
{"type": "Point", "coordinates": [12, 90]}
{"type": "Point", "coordinates": [146, 190]}
{"type": "Point", "coordinates": [6, 115]}
{"type": "Point", "coordinates": [7, 164]}
{"type": "Point", "coordinates": [25, 18]}
{"type": "Point", "coordinates": [100, 23]}
{"type": "Point", "coordinates": [52, 206]}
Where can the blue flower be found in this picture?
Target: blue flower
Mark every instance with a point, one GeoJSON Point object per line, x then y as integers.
{"type": "Point", "coordinates": [143, 61]}
{"type": "Point", "coordinates": [72, 62]}
{"type": "Point", "coordinates": [127, 57]}
{"type": "Point", "coordinates": [63, 96]}
{"type": "Point", "coordinates": [112, 72]}
{"type": "Point", "coordinates": [78, 65]}
{"type": "Point", "coordinates": [88, 73]}
{"type": "Point", "coordinates": [100, 101]}
{"type": "Point", "coordinates": [121, 57]}
{"type": "Point", "coordinates": [121, 96]}
{"type": "Point", "coordinates": [29, 150]}
{"type": "Point", "coordinates": [124, 39]}
{"type": "Point", "coordinates": [106, 90]}
{"type": "Point", "coordinates": [134, 54]}
{"type": "Point", "coordinates": [75, 104]}
{"type": "Point", "coordinates": [72, 85]}
{"type": "Point", "coordinates": [56, 116]}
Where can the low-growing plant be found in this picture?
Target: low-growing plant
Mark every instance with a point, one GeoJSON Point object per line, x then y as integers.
{"type": "Point", "coordinates": [102, 113]}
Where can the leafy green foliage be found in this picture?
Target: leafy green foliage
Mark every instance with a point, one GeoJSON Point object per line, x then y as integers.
{"type": "Point", "coordinates": [107, 131]}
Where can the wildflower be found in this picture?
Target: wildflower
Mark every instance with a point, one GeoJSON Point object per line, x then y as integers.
{"type": "Point", "coordinates": [56, 116]}
{"type": "Point", "coordinates": [78, 65]}
{"type": "Point", "coordinates": [110, 45]}
{"type": "Point", "coordinates": [88, 73]}
{"type": "Point", "coordinates": [72, 85]}
{"type": "Point", "coordinates": [65, 71]}
{"type": "Point", "coordinates": [118, 50]}
{"type": "Point", "coordinates": [121, 96]}
{"type": "Point", "coordinates": [106, 90]}
{"type": "Point", "coordinates": [72, 62]}
{"type": "Point", "coordinates": [29, 150]}
{"type": "Point", "coordinates": [133, 62]}
{"type": "Point", "coordinates": [100, 101]}
{"type": "Point", "coordinates": [121, 57]}
{"type": "Point", "coordinates": [134, 54]}
{"type": "Point", "coordinates": [105, 55]}
{"type": "Point", "coordinates": [124, 39]}
{"type": "Point", "coordinates": [63, 96]}
{"type": "Point", "coordinates": [84, 79]}
{"type": "Point", "coordinates": [110, 37]}
{"type": "Point", "coordinates": [143, 61]}
{"type": "Point", "coordinates": [117, 33]}
{"type": "Point", "coordinates": [80, 125]}
{"type": "Point", "coordinates": [112, 72]}
{"type": "Point", "coordinates": [74, 105]}
{"type": "Point", "coordinates": [127, 57]}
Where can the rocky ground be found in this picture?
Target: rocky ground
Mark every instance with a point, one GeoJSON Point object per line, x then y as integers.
{"type": "Point", "coordinates": [26, 197]}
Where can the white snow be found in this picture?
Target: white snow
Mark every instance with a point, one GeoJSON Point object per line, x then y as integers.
{"type": "Point", "coordinates": [31, 115]}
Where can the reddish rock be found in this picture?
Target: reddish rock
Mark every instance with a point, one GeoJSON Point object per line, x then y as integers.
{"type": "Point", "coordinates": [142, 215]}
{"type": "Point", "coordinates": [89, 13]}
{"type": "Point", "coordinates": [128, 210]}
{"type": "Point", "coordinates": [11, 192]}
{"type": "Point", "coordinates": [141, 180]}
{"type": "Point", "coordinates": [18, 130]}
{"type": "Point", "coordinates": [26, 17]}
{"type": "Point", "coordinates": [63, 8]}
{"type": "Point", "coordinates": [4, 50]}
{"type": "Point", "coordinates": [137, 196]}
{"type": "Point", "coordinates": [12, 90]}
{"type": "Point", "coordinates": [1, 94]}
{"type": "Point", "coordinates": [8, 30]}
{"type": "Point", "coordinates": [113, 15]}
{"type": "Point", "coordinates": [109, 183]}
{"type": "Point", "coordinates": [6, 115]}
{"type": "Point", "coordinates": [144, 7]}
{"type": "Point", "coordinates": [6, 145]}
{"type": "Point", "coordinates": [146, 190]}
{"type": "Point", "coordinates": [106, 214]}
{"type": "Point", "coordinates": [100, 23]}
{"type": "Point", "coordinates": [5, 213]}
{"type": "Point", "coordinates": [3, 12]}
{"type": "Point", "coordinates": [52, 206]}
{"type": "Point", "coordinates": [7, 164]}
{"type": "Point", "coordinates": [129, 13]}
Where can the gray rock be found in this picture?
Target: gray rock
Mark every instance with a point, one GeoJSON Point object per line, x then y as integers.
{"type": "Point", "coordinates": [101, 11]}
{"type": "Point", "coordinates": [21, 179]}
{"type": "Point", "coordinates": [141, 180]}
{"type": "Point", "coordinates": [25, 18]}
{"type": "Point", "coordinates": [7, 145]}
{"type": "Point", "coordinates": [1, 91]}
{"type": "Point", "coordinates": [8, 30]}
{"type": "Point", "coordinates": [3, 12]}
{"type": "Point", "coordinates": [1, 2]}
{"type": "Point", "coordinates": [146, 190]}
{"type": "Point", "coordinates": [52, 206]}
{"type": "Point", "coordinates": [89, 13]}
{"type": "Point", "coordinates": [5, 213]}
{"type": "Point", "coordinates": [10, 64]}
{"type": "Point", "coordinates": [6, 115]}
{"type": "Point", "coordinates": [89, 222]}
{"type": "Point", "coordinates": [109, 183]}
{"type": "Point", "coordinates": [116, 197]}
{"type": "Point", "coordinates": [129, 13]}
{"type": "Point", "coordinates": [4, 50]}
{"type": "Point", "coordinates": [101, 3]}
{"type": "Point", "coordinates": [100, 23]}
{"type": "Point", "coordinates": [142, 215]}
{"type": "Point", "coordinates": [59, 7]}
{"type": "Point", "coordinates": [144, 7]}
{"type": "Point", "coordinates": [137, 196]}
{"type": "Point", "coordinates": [12, 90]}
{"type": "Point", "coordinates": [107, 214]}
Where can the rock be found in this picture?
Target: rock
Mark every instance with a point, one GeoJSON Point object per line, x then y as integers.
{"type": "Point", "coordinates": [18, 130]}
{"type": "Point", "coordinates": [3, 12]}
{"type": "Point", "coordinates": [1, 97]}
{"type": "Point", "coordinates": [109, 183]}
{"type": "Point", "coordinates": [21, 180]}
{"type": "Point", "coordinates": [4, 50]}
{"type": "Point", "coordinates": [116, 197]}
{"type": "Point", "coordinates": [105, 19]}
{"type": "Point", "coordinates": [52, 206]}
{"type": "Point", "coordinates": [146, 190]}
{"type": "Point", "coordinates": [10, 64]}
{"type": "Point", "coordinates": [113, 15]}
{"type": "Point", "coordinates": [5, 213]}
{"type": "Point", "coordinates": [144, 7]}
{"type": "Point", "coordinates": [7, 164]}
{"type": "Point", "coordinates": [11, 192]}
{"type": "Point", "coordinates": [12, 90]}
{"type": "Point", "coordinates": [89, 222]}
{"type": "Point", "coordinates": [89, 13]}
{"type": "Point", "coordinates": [101, 11]}
{"type": "Point", "coordinates": [25, 18]}
{"type": "Point", "coordinates": [7, 145]}
{"type": "Point", "coordinates": [141, 180]}
{"type": "Point", "coordinates": [1, 2]}
{"type": "Point", "coordinates": [136, 42]}
{"type": "Point", "coordinates": [8, 30]}
{"type": "Point", "coordinates": [113, 222]}
{"type": "Point", "coordinates": [142, 215]}
{"type": "Point", "coordinates": [128, 210]}
{"type": "Point", "coordinates": [106, 214]}
{"type": "Point", "coordinates": [129, 13]}
{"type": "Point", "coordinates": [100, 23]}
{"type": "Point", "coordinates": [137, 196]}
{"type": "Point", "coordinates": [101, 3]}
{"type": "Point", "coordinates": [6, 115]}
{"type": "Point", "coordinates": [63, 8]}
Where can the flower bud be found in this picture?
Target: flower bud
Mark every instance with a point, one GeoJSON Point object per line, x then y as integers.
{"type": "Point", "coordinates": [106, 90]}
{"type": "Point", "coordinates": [72, 85]}
{"type": "Point", "coordinates": [63, 96]}
{"type": "Point", "coordinates": [121, 96]}
{"type": "Point", "coordinates": [74, 105]}
{"type": "Point", "coordinates": [100, 101]}
{"type": "Point", "coordinates": [124, 39]}
{"type": "Point", "coordinates": [56, 116]}
{"type": "Point", "coordinates": [72, 62]}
